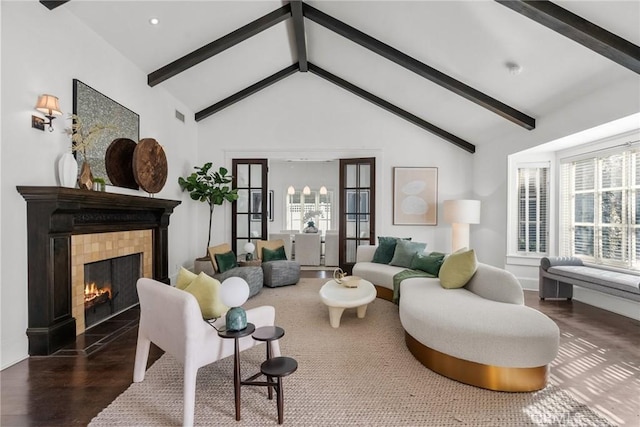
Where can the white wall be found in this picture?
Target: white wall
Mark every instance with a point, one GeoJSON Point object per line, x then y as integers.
{"type": "Point", "coordinates": [304, 114]}
{"type": "Point", "coordinates": [618, 100]}
{"type": "Point", "coordinates": [42, 51]}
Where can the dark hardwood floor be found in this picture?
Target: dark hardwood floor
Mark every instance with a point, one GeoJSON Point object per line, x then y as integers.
{"type": "Point", "coordinates": [599, 365]}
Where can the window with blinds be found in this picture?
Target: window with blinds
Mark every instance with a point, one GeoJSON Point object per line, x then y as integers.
{"type": "Point", "coordinates": [600, 208]}
{"type": "Point", "coordinates": [533, 210]}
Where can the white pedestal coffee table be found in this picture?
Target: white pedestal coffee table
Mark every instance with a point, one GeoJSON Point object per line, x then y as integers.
{"type": "Point", "coordinates": [338, 297]}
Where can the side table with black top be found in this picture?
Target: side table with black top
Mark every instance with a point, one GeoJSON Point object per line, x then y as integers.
{"type": "Point", "coordinates": [268, 334]}
{"type": "Point", "coordinates": [237, 382]}
{"type": "Point", "coordinates": [250, 263]}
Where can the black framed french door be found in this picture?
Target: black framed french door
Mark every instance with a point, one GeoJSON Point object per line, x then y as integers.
{"type": "Point", "coordinates": [249, 212]}
{"type": "Point", "coordinates": [357, 208]}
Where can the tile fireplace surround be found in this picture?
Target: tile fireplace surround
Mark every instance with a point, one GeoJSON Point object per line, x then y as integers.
{"type": "Point", "coordinates": [54, 215]}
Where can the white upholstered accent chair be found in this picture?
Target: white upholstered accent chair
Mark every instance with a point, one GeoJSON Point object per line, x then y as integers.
{"type": "Point", "coordinates": [331, 248]}
{"type": "Point", "coordinates": [308, 246]}
{"type": "Point", "coordinates": [171, 319]}
{"type": "Point", "coordinates": [286, 240]}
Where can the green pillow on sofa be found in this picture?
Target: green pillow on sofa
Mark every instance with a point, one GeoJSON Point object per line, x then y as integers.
{"type": "Point", "coordinates": [226, 261]}
{"type": "Point", "coordinates": [430, 263]}
{"type": "Point", "coordinates": [458, 268]}
{"type": "Point", "coordinates": [385, 250]}
{"type": "Point", "coordinates": [273, 254]}
{"type": "Point", "coordinates": [206, 289]}
{"type": "Point", "coordinates": [405, 251]}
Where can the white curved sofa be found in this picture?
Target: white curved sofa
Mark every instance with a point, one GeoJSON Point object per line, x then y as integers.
{"type": "Point", "coordinates": [481, 334]}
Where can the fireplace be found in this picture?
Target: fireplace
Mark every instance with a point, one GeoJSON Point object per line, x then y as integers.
{"type": "Point", "coordinates": [110, 287]}
{"type": "Point", "coordinates": [67, 228]}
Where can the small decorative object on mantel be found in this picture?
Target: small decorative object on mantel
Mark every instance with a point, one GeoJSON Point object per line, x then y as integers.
{"type": "Point", "coordinates": [82, 139]}
{"type": "Point", "coordinates": [341, 278]}
{"type": "Point", "coordinates": [68, 170]}
{"type": "Point", "coordinates": [99, 184]}
{"type": "Point", "coordinates": [150, 165]}
{"type": "Point", "coordinates": [118, 161]}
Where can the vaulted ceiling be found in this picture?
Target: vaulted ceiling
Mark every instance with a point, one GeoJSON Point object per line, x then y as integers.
{"type": "Point", "coordinates": [442, 65]}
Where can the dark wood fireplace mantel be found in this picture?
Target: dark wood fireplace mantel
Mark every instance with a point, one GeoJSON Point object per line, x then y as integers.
{"type": "Point", "coordinates": [54, 214]}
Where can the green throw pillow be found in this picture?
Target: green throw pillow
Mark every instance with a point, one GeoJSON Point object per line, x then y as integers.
{"type": "Point", "coordinates": [184, 279]}
{"type": "Point", "coordinates": [385, 250]}
{"type": "Point", "coordinates": [430, 263]}
{"type": "Point", "coordinates": [226, 261]}
{"type": "Point", "coordinates": [273, 254]}
{"type": "Point", "coordinates": [458, 268]}
{"type": "Point", "coordinates": [405, 251]}
{"type": "Point", "coordinates": [206, 289]}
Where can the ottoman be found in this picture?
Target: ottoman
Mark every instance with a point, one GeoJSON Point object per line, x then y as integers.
{"type": "Point", "coordinates": [280, 273]}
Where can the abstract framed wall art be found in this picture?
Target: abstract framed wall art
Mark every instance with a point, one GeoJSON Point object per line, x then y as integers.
{"type": "Point", "coordinates": [95, 108]}
{"type": "Point", "coordinates": [415, 196]}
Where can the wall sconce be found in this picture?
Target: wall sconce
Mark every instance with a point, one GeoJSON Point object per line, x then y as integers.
{"type": "Point", "coordinates": [47, 104]}
{"type": "Point", "coordinates": [323, 190]}
{"type": "Point", "coordinates": [306, 190]}
{"type": "Point", "coordinates": [291, 191]}
{"type": "Point", "coordinates": [461, 213]}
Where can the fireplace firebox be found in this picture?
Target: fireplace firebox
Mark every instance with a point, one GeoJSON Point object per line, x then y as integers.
{"type": "Point", "coordinates": [110, 287]}
{"type": "Point", "coordinates": [54, 215]}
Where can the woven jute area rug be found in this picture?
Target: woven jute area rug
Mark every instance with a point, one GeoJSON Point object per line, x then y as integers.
{"type": "Point", "coordinates": [360, 374]}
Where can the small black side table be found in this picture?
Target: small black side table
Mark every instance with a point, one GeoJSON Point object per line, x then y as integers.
{"type": "Point", "coordinates": [268, 334]}
{"type": "Point", "coordinates": [236, 335]}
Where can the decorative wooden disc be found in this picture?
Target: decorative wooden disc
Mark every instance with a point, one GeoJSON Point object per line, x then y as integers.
{"type": "Point", "coordinates": [150, 165]}
{"type": "Point", "coordinates": [118, 161]}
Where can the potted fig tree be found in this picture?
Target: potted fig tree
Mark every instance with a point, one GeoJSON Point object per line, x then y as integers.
{"type": "Point", "coordinates": [210, 186]}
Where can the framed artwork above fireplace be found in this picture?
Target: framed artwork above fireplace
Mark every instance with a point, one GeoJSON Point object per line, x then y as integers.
{"type": "Point", "coordinates": [95, 108]}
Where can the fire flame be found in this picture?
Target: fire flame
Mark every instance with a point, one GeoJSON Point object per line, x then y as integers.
{"type": "Point", "coordinates": [91, 292]}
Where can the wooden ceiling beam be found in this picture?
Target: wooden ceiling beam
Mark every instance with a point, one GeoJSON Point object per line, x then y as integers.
{"type": "Point", "coordinates": [238, 96]}
{"type": "Point", "coordinates": [219, 45]}
{"type": "Point", "coordinates": [467, 146]}
{"type": "Point", "coordinates": [53, 4]}
{"type": "Point", "coordinates": [298, 29]}
{"type": "Point", "coordinates": [418, 67]}
{"type": "Point", "coordinates": [579, 30]}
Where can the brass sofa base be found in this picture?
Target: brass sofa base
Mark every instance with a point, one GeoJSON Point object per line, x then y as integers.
{"type": "Point", "coordinates": [485, 376]}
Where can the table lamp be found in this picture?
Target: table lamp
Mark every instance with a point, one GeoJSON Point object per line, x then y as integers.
{"type": "Point", "coordinates": [461, 213]}
{"type": "Point", "coordinates": [249, 248]}
{"type": "Point", "coordinates": [234, 292]}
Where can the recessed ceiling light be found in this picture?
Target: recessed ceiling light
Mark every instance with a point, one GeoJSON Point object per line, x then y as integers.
{"type": "Point", "coordinates": [513, 68]}
{"type": "Point", "coordinates": [154, 21]}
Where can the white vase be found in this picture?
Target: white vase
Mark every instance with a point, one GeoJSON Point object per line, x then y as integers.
{"type": "Point", "coordinates": [68, 170]}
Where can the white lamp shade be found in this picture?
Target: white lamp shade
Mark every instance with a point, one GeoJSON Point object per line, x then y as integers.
{"type": "Point", "coordinates": [323, 190]}
{"type": "Point", "coordinates": [234, 292]}
{"type": "Point", "coordinates": [48, 104]}
{"type": "Point", "coordinates": [291, 191]}
{"type": "Point", "coordinates": [462, 211]}
{"type": "Point", "coordinates": [249, 247]}
{"type": "Point", "coordinates": [306, 190]}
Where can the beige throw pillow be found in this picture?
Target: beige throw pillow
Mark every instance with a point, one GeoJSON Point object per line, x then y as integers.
{"type": "Point", "coordinates": [458, 268]}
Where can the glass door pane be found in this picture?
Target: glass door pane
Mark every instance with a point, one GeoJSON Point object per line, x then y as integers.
{"type": "Point", "coordinates": [249, 213]}
{"type": "Point", "coordinates": [357, 208]}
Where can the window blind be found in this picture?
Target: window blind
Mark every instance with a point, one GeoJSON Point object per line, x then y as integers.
{"type": "Point", "coordinates": [599, 208]}
{"type": "Point", "coordinates": [533, 209]}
